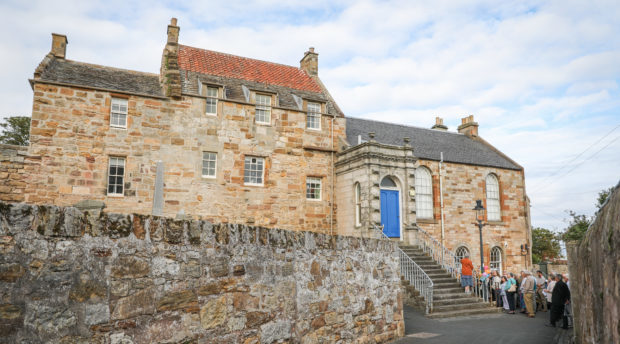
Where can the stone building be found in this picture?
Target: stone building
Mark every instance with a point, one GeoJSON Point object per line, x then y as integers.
{"type": "Point", "coordinates": [237, 140]}
{"type": "Point", "coordinates": [407, 178]}
{"type": "Point", "coordinates": [231, 139]}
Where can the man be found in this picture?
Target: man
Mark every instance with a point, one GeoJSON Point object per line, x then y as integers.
{"type": "Point", "coordinates": [568, 308]}
{"type": "Point", "coordinates": [528, 292]}
{"type": "Point", "coordinates": [467, 268]}
{"type": "Point", "coordinates": [559, 298]}
{"type": "Point", "coordinates": [540, 286]}
{"type": "Point", "coordinates": [549, 289]}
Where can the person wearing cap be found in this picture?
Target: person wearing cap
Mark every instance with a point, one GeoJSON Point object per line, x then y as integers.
{"type": "Point", "coordinates": [528, 292]}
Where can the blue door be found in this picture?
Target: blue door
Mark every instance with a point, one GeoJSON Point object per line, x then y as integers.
{"type": "Point", "coordinates": [390, 217]}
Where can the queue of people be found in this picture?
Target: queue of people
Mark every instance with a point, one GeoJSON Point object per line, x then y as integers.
{"type": "Point", "coordinates": [527, 293]}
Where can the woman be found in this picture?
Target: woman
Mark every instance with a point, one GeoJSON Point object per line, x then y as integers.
{"type": "Point", "coordinates": [511, 288]}
{"type": "Point", "coordinates": [502, 288]}
{"type": "Point", "coordinates": [549, 289]}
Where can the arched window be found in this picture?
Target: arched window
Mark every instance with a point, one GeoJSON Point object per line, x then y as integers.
{"type": "Point", "coordinates": [496, 259]}
{"type": "Point", "coordinates": [493, 210]}
{"type": "Point", "coordinates": [358, 205]}
{"type": "Point", "coordinates": [387, 182]}
{"type": "Point", "coordinates": [461, 252]}
{"type": "Point", "coordinates": [424, 193]}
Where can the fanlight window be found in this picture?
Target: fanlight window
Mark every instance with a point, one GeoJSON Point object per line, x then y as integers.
{"type": "Point", "coordinates": [387, 182]}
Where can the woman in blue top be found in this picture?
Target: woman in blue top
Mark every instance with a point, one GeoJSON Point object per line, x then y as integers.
{"type": "Point", "coordinates": [510, 292]}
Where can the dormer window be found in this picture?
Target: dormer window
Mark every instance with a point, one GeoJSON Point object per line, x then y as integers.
{"type": "Point", "coordinates": [212, 94]}
{"type": "Point", "coordinates": [263, 108]}
{"type": "Point", "coordinates": [313, 118]}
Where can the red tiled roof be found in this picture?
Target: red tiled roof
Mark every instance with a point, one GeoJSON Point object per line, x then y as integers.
{"type": "Point", "coordinates": [231, 66]}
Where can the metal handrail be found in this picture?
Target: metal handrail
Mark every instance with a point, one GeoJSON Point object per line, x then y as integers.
{"type": "Point", "coordinates": [413, 273]}
{"type": "Point", "coordinates": [450, 262]}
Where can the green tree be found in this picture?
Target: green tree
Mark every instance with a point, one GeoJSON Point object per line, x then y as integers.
{"type": "Point", "coordinates": [545, 245]}
{"type": "Point", "coordinates": [15, 131]}
{"type": "Point", "coordinates": [577, 227]}
{"type": "Point", "coordinates": [602, 197]}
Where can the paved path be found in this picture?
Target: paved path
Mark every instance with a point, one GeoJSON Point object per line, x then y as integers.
{"type": "Point", "coordinates": [499, 328]}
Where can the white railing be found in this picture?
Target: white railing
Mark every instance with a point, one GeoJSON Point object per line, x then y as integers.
{"type": "Point", "coordinates": [413, 273]}
{"type": "Point", "coordinates": [451, 263]}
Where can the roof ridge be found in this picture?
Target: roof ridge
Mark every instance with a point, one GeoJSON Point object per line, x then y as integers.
{"type": "Point", "coordinates": [108, 67]}
{"type": "Point", "coordinates": [244, 57]}
{"type": "Point", "coordinates": [407, 126]}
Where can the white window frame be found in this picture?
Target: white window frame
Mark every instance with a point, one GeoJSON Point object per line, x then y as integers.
{"type": "Point", "coordinates": [358, 204]}
{"type": "Point", "coordinates": [263, 103]}
{"type": "Point", "coordinates": [424, 194]}
{"type": "Point", "coordinates": [121, 111]}
{"type": "Point", "coordinates": [206, 158]}
{"type": "Point", "coordinates": [115, 160]}
{"type": "Point", "coordinates": [314, 112]}
{"type": "Point", "coordinates": [212, 98]}
{"type": "Point", "coordinates": [311, 183]}
{"type": "Point", "coordinates": [496, 252]}
{"type": "Point", "coordinates": [250, 165]}
{"type": "Point", "coordinates": [461, 252]}
{"type": "Point", "coordinates": [494, 211]}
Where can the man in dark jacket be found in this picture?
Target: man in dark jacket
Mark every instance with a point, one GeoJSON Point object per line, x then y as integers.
{"type": "Point", "coordinates": [559, 298]}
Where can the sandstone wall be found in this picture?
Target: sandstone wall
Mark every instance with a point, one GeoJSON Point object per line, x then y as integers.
{"type": "Point", "coordinates": [73, 277]}
{"type": "Point", "coordinates": [462, 186]}
{"type": "Point", "coordinates": [594, 265]}
{"type": "Point", "coordinates": [71, 131]}
{"type": "Point", "coordinates": [13, 169]}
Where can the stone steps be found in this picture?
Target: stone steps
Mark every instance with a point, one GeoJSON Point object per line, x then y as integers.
{"type": "Point", "coordinates": [449, 299]}
{"type": "Point", "coordinates": [464, 312]}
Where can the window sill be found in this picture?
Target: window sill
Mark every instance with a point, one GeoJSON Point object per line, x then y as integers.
{"type": "Point", "coordinates": [426, 221]}
{"type": "Point", "coordinates": [313, 199]}
{"type": "Point", "coordinates": [314, 129]}
{"type": "Point", "coordinates": [211, 114]}
{"type": "Point", "coordinates": [256, 185]}
{"type": "Point", "coordinates": [116, 195]}
{"type": "Point", "coordinates": [264, 123]}
{"type": "Point", "coordinates": [209, 177]}
{"type": "Point", "coordinates": [496, 223]}
{"type": "Point", "coordinates": [118, 127]}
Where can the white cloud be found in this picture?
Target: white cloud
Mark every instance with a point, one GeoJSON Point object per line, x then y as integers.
{"type": "Point", "coordinates": [540, 77]}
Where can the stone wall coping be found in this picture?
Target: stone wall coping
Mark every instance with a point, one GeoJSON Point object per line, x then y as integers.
{"type": "Point", "coordinates": [70, 222]}
{"type": "Point", "coordinates": [56, 83]}
{"type": "Point", "coordinates": [4, 146]}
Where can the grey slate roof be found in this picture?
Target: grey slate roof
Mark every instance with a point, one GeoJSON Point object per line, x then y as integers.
{"type": "Point", "coordinates": [234, 91]}
{"type": "Point", "coordinates": [89, 75]}
{"type": "Point", "coordinates": [429, 143]}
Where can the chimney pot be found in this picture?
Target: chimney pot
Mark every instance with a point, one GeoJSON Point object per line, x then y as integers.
{"type": "Point", "coordinates": [173, 21]}
{"type": "Point", "coordinates": [59, 45]}
{"type": "Point", "coordinates": [310, 62]}
{"type": "Point", "coordinates": [439, 124]}
{"type": "Point", "coordinates": [468, 126]}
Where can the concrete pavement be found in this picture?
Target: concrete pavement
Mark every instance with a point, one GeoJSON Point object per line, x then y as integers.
{"type": "Point", "coordinates": [499, 328]}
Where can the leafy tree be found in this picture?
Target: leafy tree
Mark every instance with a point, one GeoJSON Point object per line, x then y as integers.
{"type": "Point", "coordinates": [15, 131]}
{"type": "Point", "coordinates": [545, 245]}
{"type": "Point", "coordinates": [577, 227]}
{"type": "Point", "coordinates": [602, 197]}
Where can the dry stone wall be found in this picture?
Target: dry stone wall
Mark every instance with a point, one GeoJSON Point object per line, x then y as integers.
{"type": "Point", "coordinates": [68, 276]}
{"type": "Point", "coordinates": [594, 266]}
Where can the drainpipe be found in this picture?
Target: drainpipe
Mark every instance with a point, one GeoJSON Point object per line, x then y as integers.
{"type": "Point", "coordinates": [331, 215]}
{"type": "Point", "coordinates": [441, 204]}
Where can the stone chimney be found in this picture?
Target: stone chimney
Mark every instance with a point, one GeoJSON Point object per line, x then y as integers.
{"type": "Point", "coordinates": [59, 45]}
{"type": "Point", "coordinates": [439, 124]}
{"type": "Point", "coordinates": [310, 62]}
{"type": "Point", "coordinates": [468, 126]}
{"type": "Point", "coordinates": [169, 74]}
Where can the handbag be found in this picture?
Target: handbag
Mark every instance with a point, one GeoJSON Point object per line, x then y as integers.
{"type": "Point", "coordinates": [512, 288]}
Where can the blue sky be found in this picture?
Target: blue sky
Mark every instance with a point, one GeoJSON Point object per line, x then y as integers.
{"type": "Point", "coordinates": [541, 78]}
